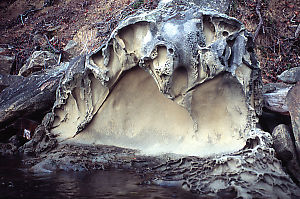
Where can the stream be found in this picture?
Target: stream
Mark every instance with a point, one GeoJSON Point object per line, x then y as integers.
{"type": "Point", "coordinates": [16, 182]}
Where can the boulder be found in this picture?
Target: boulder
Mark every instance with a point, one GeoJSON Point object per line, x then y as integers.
{"type": "Point", "coordinates": [69, 48]}
{"type": "Point", "coordinates": [7, 80]}
{"type": "Point", "coordinates": [274, 95]}
{"type": "Point", "coordinates": [293, 103]}
{"type": "Point", "coordinates": [7, 59]}
{"type": "Point", "coordinates": [28, 95]}
{"type": "Point", "coordinates": [283, 143]}
{"type": "Point", "coordinates": [291, 76]}
{"type": "Point", "coordinates": [39, 60]}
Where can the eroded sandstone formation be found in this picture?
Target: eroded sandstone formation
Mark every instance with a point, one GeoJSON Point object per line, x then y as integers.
{"type": "Point", "coordinates": [253, 172]}
{"type": "Point", "coordinates": [177, 81]}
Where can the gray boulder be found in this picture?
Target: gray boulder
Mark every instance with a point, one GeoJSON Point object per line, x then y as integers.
{"type": "Point", "coordinates": [284, 145]}
{"type": "Point", "coordinates": [39, 60]}
{"type": "Point", "coordinates": [6, 60]}
{"type": "Point", "coordinates": [7, 80]}
{"type": "Point", "coordinates": [293, 102]}
{"type": "Point", "coordinates": [28, 95]}
{"type": "Point", "coordinates": [291, 76]}
{"type": "Point", "coordinates": [274, 95]}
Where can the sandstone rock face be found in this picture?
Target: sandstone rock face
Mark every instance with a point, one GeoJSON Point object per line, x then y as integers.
{"type": "Point", "coordinates": [176, 79]}
{"type": "Point", "coordinates": [174, 82]}
{"type": "Point", "coordinates": [253, 172]}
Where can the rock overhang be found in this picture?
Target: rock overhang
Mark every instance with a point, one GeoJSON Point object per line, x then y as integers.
{"type": "Point", "coordinates": [176, 79]}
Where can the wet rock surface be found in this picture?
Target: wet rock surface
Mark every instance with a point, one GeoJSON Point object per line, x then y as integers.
{"type": "Point", "coordinates": [253, 172]}
{"type": "Point", "coordinates": [114, 183]}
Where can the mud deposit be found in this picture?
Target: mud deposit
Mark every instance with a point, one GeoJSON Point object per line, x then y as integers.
{"type": "Point", "coordinates": [15, 182]}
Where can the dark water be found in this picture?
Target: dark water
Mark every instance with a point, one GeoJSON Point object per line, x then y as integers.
{"type": "Point", "coordinates": [15, 182]}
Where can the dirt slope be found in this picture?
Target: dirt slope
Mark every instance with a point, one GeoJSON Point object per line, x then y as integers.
{"type": "Point", "coordinates": [24, 24]}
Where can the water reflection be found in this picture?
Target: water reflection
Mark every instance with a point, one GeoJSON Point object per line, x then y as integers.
{"type": "Point", "coordinates": [16, 183]}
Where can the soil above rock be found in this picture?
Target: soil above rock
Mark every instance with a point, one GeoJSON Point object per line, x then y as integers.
{"type": "Point", "coordinates": [277, 42]}
{"type": "Point", "coordinates": [24, 25]}
{"type": "Point", "coordinates": [32, 25]}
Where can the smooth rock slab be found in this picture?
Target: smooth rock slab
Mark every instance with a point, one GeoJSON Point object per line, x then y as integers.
{"type": "Point", "coordinates": [28, 95]}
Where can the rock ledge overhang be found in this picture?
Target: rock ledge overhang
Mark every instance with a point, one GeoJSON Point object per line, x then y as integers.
{"type": "Point", "coordinates": [201, 61]}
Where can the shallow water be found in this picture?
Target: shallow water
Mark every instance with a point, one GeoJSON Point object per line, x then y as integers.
{"type": "Point", "coordinates": [15, 182]}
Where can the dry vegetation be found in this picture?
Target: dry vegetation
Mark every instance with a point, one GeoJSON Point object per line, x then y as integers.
{"type": "Point", "coordinates": [277, 46]}
{"type": "Point", "coordinates": [30, 25]}
{"type": "Point", "coordinates": [27, 25]}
